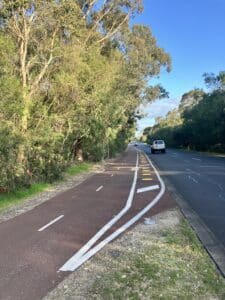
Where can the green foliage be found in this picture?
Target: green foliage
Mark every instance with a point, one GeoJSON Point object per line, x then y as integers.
{"type": "Point", "coordinates": [79, 168]}
{"type": "Point", "coordinates": [199, 122]}
{"type": "Point", "coordinates": [72, 75]}
{"type": "Point", "coordinates": [16, 197]}
{"type": "Point", "coordinates": [8, 199]}
{"type": "Point", "coordinates": [172, 266]}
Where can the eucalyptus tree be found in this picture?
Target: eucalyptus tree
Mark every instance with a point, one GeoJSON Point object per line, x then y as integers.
{"type": "Point", "coordinates": [76, 72]}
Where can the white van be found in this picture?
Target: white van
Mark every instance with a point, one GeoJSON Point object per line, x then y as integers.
{"type": "Point", "coordinates": [158, 145]}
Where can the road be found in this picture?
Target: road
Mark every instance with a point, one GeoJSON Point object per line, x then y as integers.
{"type": "Point", "coordinates": [42, 246]}
{"type": "Point", "coordinates": [200, 180]}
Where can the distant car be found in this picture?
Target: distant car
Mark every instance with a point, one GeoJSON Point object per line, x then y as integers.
{"type": "Point", "coordinates": [135, 144]}
{"type": "Point", "coordinates": [158, 145]}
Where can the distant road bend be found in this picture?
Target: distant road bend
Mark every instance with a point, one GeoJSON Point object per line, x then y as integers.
{"type": "Point", "coordinates": [200, 180]}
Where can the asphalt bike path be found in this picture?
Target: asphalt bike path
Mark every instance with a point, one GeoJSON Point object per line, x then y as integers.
{"type": "Point", "coordinates": [39, 248]}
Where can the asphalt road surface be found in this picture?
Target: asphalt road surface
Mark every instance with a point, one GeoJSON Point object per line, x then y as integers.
{"type": "Point", "coordinates": [40, 247]}
{"type": "Point", "coordinates": [200, 180]}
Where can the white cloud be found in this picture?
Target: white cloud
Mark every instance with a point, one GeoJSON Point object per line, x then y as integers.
{"type": "Point", "coordinates": [156, 109]}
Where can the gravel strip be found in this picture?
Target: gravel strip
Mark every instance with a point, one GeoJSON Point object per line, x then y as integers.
{"type": "Point", "coordinates": [31, 202]}
{"type": "Point", "coordinates": [78, 285]}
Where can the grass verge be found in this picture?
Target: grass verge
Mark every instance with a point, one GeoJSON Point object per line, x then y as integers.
{"type": "Point", "coordinates": [172, 266]}
{"type": "Point", "coordinates": [79, 168]}
{"type": "Point", "coordinates": [9, 199]}
{"type": "Point", "coordinates": [13, 198]}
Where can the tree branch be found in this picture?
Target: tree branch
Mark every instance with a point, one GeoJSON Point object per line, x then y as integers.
{"type": "Point", "coordinates": [45, 67]}
{"type": "Point", "coordinates": [112, 32]}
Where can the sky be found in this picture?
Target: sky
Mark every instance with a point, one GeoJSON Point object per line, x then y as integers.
{"type": "Point", "coordinates": [193, 33]}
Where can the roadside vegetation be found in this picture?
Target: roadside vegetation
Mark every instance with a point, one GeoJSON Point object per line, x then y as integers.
{"type": "Point", "coordinates": [20, 195]}
{"type": "Point", "coordinates": [72, 74]}
{"type": "Point", "coordinates": [171, 265]}
{"type": "Point", "coordinates": [199, 121]}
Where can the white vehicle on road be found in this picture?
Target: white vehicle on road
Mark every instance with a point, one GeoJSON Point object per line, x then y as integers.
{"type": "Point", "coordinates": [158, 145]}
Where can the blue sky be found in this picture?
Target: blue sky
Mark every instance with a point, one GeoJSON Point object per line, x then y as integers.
{"type": "Point", "coordinates": [193, 33]}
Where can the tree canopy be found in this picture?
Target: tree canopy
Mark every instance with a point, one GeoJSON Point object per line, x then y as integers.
{"type": "Point", "coordinates": [72, 74]}
{"type": "Point", "coordinates": [199, 121]}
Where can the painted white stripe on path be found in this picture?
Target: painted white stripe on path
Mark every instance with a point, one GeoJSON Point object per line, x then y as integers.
{"type": "Point", "coordinates": [50, 223]}
{"type": "Point", "coordinates": [78, 255]}
{"type": "Point", "coordinates": [191, 171]}
{"type": "Point", "coordinates": [148, 188]}
{"type": "Point", "coordinates": [196, 159]}
{"type": "Point", "coordinates": [193, 179]}
{"type": "Point", "coordinates": [72, 266]}
{"type": "Point", "coordinates": [99, 188]}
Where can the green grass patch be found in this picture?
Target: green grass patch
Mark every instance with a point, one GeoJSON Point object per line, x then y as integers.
{"type": "Point", "coordinates": [16, 197]}
{"type": "Point", "coordinates": [79, 168]}
{"type": "Point", "coordinates": [13, 198]}
{"type": "Point", "coordinates": [173, 266]}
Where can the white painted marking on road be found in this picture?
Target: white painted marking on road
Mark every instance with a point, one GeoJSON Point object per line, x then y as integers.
{"type": "Point", "coordinates": [196, 159]}
{"type": "Point", "coordinates": [99, 188]}
{"type": "Point", "coordinates": [193, 179]}
{"type": "Point", "coordinates": [211, 166]}
{"type": "Point", "coordinates": [79, 254]}
{"type": "Point", "coordinates": [73, 265]}
{"type": "Point", "coordinates": [191, 171]}
{"type": "Point", "coordinates": [135, 168]}
{"type": "Point", "coordinates": [221, 197]}
{"type": "Point", "coordinates": [148, 188]}
{"type": "Point", "coordinates": [111, 175]}
{"type": "Point", "coordinates": [220, 186]}
{"type": "Point", "coordinates": [50, 223]}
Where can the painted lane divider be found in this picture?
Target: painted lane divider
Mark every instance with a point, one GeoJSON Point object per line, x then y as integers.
{"type": "Point", "coordinates": [196, 159]}
{"type": "Point", "coordinates": [192, 178]}
{"type": "Point", "coordinates": [73, 265]}
{"type": "Point", "coordinates": [148, 188]}
{"type": "Point", "coordinates": [147, 179]}
{"type": "Point", "coordinates": [79, 254]}
{"type": "Point", "coordinates": [146, 173]}
{"type": "Point", "coordinates": [99, 188]}
{"type": "Point", "coordinates": [50, 223]}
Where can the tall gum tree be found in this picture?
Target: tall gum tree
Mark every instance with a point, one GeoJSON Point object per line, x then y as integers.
{"type": "Point", "coordinates": [37, 28]}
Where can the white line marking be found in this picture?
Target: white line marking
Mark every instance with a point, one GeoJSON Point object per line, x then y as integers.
{"type": "Point", "coordinates": [79, 254]}
{"type": "Point", "coordinates": [111, 175]}
{"type": "Point", "coordinates": [50, 223]}
{"type": "Point", "coordinates": [196, 159]}
{"type": "Point", "coordinates": [211, 166]}
{"type": "Point", "coordinates": [148, 188]}
{"type": "Point", "coordinates": [73, 265]}
{"type": "Point", "coordinates": [99, 188]}
{"type": "Point", "coordinates": [220, 186]}
{"type": "Point", "coordinates": [193, 179]}
{"type": "Point", "coordinates": [191, 171]}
